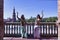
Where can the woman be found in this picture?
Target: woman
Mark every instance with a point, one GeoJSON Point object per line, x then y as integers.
{"type": "Point", "coordinates": [38, 19]}
{"type": "Point", "coordinates": [37, 28]}
{"type": "Point", "coordinates": [23, 27]}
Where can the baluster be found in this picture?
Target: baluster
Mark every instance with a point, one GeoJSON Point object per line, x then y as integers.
{"type": "Point", "coordinates": [57, 30]}
{"type": "Point", "coordinates": [17, 30]}
{"type": "Point", "coordinates": [20, 29]}
{"type": "Point", "coordinates": [27, 29]}
{"type": "Point", "coordinates": [42, 29]}
{"type": "Point", "coordinates": [30, 29]}
{"type": "Point", "coordinates": [5, 29]}
{"type": "Point", "coordinates": [9, 29]}
{"type": "Point", "coordinates": [47, 30]}
{"type": "Point", "coordinates": [53, 30]}
{"type": "Point", "coordinates": [14, 28]}
{"type": "Point", "coordinates": [33, 30]}
{"type": "Point", "coordinates": [50, 30]}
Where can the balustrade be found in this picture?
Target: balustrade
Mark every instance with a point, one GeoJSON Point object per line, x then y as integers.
{"type": "Point", "coordinates": [47, 28]}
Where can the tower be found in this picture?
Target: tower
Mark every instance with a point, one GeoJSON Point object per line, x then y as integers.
{"type": "Point", "coordinates": [14, 15]}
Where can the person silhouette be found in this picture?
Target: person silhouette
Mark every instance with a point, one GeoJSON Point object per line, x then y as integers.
{"type": "Point", "coordinates": [37, 27]}
{"type": "Point", "coordinates": [23, 25]}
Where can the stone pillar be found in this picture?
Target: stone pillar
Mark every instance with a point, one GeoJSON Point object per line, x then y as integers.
{"type": "Point", "coordinates": [58, 22]}
{"type": "Point", "coordinates": [1, 20]}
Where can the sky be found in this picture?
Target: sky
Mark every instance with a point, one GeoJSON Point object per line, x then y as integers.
{"type": "Point", "coordinates": [30, 8]}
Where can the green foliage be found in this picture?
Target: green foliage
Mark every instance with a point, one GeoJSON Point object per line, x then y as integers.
{"type": "Point", "coordinates": [32, 19]}
{"type": "Point", "coordinates": [51, 19]}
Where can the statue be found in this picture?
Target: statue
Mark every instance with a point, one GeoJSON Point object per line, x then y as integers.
{"type": "Point", "coordinates": [23, 28]}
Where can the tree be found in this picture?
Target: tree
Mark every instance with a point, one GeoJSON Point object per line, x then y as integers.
{"type": "Point", "coordinates": [51, 19]}
{"type": "Point", "coordinates": [32, 19]}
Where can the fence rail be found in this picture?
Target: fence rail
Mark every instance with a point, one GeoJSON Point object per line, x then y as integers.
{"type": "Point", "coordinates": [46, 28]}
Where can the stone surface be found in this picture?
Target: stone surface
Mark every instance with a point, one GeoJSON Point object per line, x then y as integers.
{"type": "Point", "coordinates": [13, 38]}
{"type": "Point", "coordinates": [1, 20]}
{"type": "Point", "coordinates": [58, 19]}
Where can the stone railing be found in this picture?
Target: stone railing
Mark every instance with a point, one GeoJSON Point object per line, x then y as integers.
{"type": "Point", "coordinates": [46, 28]}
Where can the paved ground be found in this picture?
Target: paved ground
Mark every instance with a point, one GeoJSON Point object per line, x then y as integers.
{"type": "Point", "coordinates": [13, 38]}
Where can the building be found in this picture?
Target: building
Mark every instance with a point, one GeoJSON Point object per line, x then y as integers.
{"type": "Point", "coordinates": [13, 19]}
{"type": "Point", "coordinates": [8, 20]}
{"type": "Point", "coordinates": [14, 16]}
